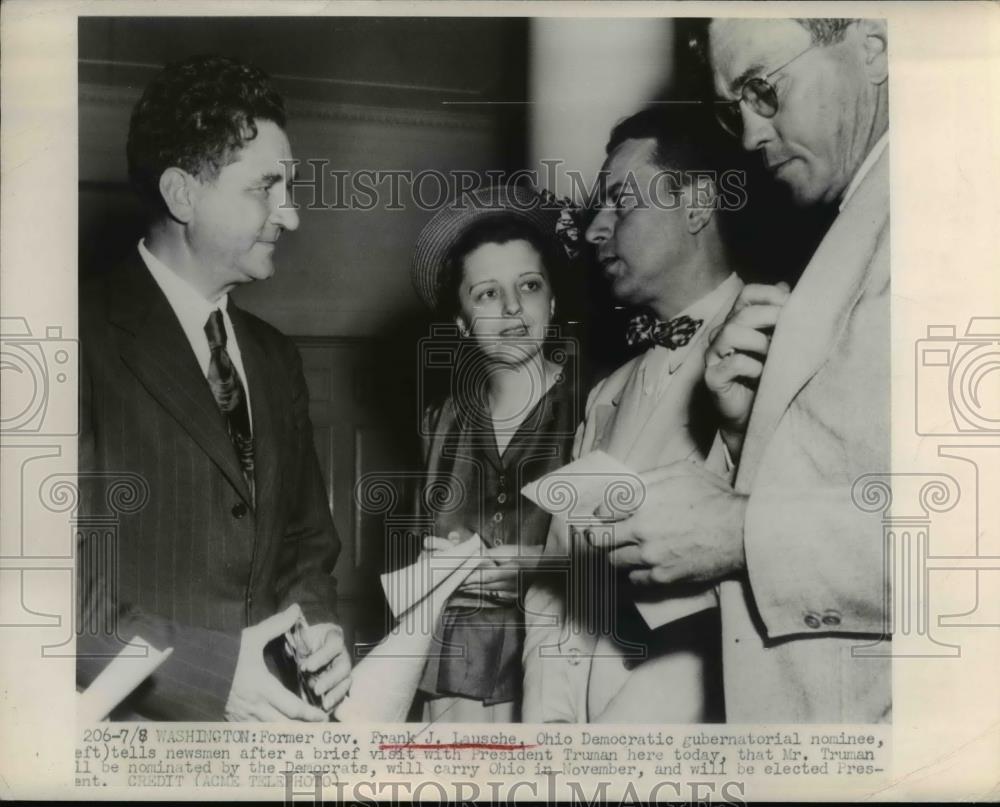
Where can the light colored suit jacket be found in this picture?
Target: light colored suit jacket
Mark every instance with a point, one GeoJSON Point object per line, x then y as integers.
{"type": "Point", "coordinates": [628, 420]}
{"type": "Point", "coordinates": [816, 589]}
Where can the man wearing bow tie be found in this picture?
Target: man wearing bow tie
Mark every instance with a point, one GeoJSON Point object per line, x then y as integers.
{"type": "Point", "coordinates": [805, 404]}
{"type": "Point", "coordinates": [658, 240]}
{"type": "Point", "coordinates": [203, 408]}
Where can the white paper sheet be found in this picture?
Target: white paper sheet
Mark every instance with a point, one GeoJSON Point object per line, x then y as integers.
{"type": "Point", "coordinates": [410, 585]}
{"type": "Point", "coordinates": [116, 681]}
{"type": "Point", "coordinates": [386, 680]}
{"type": "Point", "coordinates": [575, 492]}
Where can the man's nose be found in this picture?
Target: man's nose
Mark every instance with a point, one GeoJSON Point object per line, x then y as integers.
{"type": "Point", "coordinates": [757, 130]}
{"type": "Point", "coordinates": [285, 214]}
{"type": "Point", "coordinates": [601, 227]}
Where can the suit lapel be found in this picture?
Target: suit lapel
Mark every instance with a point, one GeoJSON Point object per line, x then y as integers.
{"type": "Point", "coordinates": [817, 311]}
{"type": "Point", "coordinates": [625, 420]}
{"type": "Point", "coordinates": [156, 350]}
{"type": "Point", "coordinates": [658, 434]}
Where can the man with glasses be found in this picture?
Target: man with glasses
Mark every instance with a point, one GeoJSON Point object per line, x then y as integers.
{"type": "Point", "coordinates": [801, 382]}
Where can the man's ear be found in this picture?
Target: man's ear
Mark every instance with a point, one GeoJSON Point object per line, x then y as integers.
{"type": "Point", "coordinates": [700, 200]}
{"type": "Point", "coordinates": [179, 192]}
{"type": "Point", "coordinates": [463, 326]}
{"type": "Point", "coordinates": [875, 49]}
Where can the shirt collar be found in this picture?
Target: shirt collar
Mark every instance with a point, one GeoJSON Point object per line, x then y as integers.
{"type": "Point", "coordinates": [189, 305]}
{"type": "Point", "coordinates": [704, 308]}
{"type": "Point", "coordinates": [185, 299]}
{"type": "Point", "coordinates": [866, 166]}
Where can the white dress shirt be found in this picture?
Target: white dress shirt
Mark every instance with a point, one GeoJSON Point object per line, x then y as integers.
{"type": "Point", "coordinates": [659, 364]}
{"type": "Point", "coordinates": [192, 311]}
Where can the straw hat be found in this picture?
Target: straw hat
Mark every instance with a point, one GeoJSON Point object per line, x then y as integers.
{"type": "Point", "coordinates": [448, 224]}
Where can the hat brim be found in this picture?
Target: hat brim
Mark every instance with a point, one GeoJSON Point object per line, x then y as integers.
{"type": "Point", "coordinates": [440, 234]}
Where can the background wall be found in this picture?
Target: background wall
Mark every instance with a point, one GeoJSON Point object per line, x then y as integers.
{"type": "Point", "coordinates": [377, 94]}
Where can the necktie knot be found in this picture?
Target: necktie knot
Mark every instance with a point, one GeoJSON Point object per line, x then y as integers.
{"type": "Point", "coordinates": [215, 330]}
{"type": "Point", "coordinates": [645, 330]}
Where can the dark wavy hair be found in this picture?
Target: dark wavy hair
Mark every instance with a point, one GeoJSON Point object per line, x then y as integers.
{"type": "Point", "coordinates": [688, 139]}
{"type": "Point", "coordinates": [497, 229]}
{"type": "Point", "coordinates": [196, 115]}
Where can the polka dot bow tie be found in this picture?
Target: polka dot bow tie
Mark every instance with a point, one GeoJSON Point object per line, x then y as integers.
{"type": "Point", "coordinates": [645, 331]}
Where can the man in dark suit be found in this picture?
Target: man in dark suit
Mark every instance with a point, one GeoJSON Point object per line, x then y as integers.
{"type": "Point", "coordinates": [203, 408]}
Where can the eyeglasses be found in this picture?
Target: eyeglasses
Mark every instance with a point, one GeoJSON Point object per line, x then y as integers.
{"type": "Point", "coordinates": [758, 93]}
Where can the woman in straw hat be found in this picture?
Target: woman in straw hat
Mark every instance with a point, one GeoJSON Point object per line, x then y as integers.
{"type": "Point", "coordinates": [488, 264]}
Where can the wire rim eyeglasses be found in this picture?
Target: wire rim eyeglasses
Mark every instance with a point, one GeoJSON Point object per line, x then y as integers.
{"type": "Point", "coordinates": [758, 93]}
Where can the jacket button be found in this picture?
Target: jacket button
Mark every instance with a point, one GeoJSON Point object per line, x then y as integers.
{"type": "Point", "coordinates": [498, 517]}
{"type": "Point", "coordinates": [501, 498]}
{"type": "Point", "coordinates": [239, 510]}
{"type": "Point", "coordinates": [831, 618]}
{"type": "Point", "coordinates": [811, 620]}
{"type": "Point", "coordinates": [574, 656]}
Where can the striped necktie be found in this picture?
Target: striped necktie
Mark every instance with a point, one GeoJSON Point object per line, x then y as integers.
{"type": "Point", "coordinates": [230, 395]}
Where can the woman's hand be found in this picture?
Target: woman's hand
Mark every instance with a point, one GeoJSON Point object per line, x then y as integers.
{"type": "Point", "coordinates": [435, 543]}
{"type": "Point", "coordinates": [502, 567]}
{"type": "Point", "coordinates": [526, 558]}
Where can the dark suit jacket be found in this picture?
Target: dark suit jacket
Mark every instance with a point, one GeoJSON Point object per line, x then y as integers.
{"type": "Point", "coordinates": [195, 563]}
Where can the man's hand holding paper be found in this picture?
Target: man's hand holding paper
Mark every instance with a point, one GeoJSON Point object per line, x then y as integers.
{"type": "Point", "coordinates": [689, 529]}
{"type": "Point", "coordinates": [323, 661]}
{"type": "Point", "coordinates": [256, 694]}
{"type": "Point", "coordinates": [629, 514]}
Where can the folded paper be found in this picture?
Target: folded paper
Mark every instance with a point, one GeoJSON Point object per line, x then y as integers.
{"type": "Point", "coordinates": [385, 682]}
{"type": "Point", "coordinates": [599, 483]}
{"type": "Point", "coordinates": [596, 480]}
{"type": "Point", "coordinates": [410, 585]}
{"type": "Point", "coordinates": [136, 662]}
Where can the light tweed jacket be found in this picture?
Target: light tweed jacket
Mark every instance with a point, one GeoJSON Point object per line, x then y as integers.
{"type": "Point", "coordinates": [570, 674]}
{"type": "Point", "coordinates": [799, 630]}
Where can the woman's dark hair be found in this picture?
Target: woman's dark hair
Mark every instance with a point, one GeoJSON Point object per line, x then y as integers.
{"type": "Point", "coordinates": [196, 115]}
{"type": "Point", "coordinates": [496, 229]}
